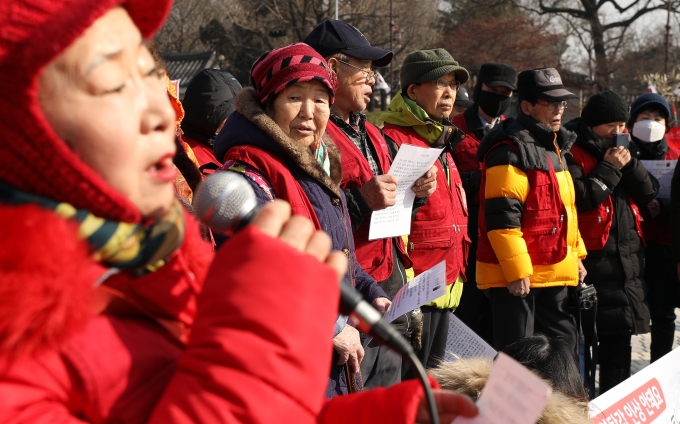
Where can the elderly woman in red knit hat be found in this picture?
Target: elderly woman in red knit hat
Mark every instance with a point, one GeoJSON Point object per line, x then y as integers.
{"type": "Point", "coordinates": [277, 139]}
{"type": "Point", "coordinates": [101, 269]}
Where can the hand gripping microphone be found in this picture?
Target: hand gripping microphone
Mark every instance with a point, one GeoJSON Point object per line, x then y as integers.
{"type": "Point", "coordinates": [226, 203]}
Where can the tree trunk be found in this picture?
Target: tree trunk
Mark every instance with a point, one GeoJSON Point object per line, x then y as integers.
{"type": "Point", "coordinates": [602, 80]}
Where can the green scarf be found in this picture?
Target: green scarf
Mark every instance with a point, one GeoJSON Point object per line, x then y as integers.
{"type": "Point", "coordinates": [141, 248]}
{"type": "Point", "coordinates": [320, 152]}
{"type": "Point", "coordinates": [404, 112]}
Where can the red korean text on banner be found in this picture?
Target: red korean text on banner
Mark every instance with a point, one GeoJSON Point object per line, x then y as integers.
{"type": "Point", "coordinates": [643, 405]}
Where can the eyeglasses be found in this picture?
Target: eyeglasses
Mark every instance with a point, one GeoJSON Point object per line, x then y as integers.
{"type": "Point", "coordinates": [454, 85]}
{"type": "Point", "coordinates": [370, 75]}
{"type": "Point", "coordinates": [554, 106]}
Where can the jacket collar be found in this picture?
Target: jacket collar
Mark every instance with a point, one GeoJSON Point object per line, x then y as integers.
{"type": "Point", "coordinates": [651, 151]}
{"type": "Point", "coordinates": [474, 125]}
{"type": "Point", "coordinates": [248, 105]}
{"type": "Point", "coordinates": [544, 135]}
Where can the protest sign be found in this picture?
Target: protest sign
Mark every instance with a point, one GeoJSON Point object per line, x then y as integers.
{"type": "Point", "coordinates": [650, 396]}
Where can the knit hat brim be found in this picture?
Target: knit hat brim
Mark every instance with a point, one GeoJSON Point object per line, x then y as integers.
{"type": "Point", "coordinates": [461, 73]}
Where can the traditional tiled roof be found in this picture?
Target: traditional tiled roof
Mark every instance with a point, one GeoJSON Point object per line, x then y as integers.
{"type": "Point", "coordinates": [183, 66]}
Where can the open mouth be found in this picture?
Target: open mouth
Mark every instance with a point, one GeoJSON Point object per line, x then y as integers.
{"type": "Point", "coordinates": [163, 170]}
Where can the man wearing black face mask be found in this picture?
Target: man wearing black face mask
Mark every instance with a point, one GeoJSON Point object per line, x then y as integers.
{"type": "Point", "coordinates": [492, 96]}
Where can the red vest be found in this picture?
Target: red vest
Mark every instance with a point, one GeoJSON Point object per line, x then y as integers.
{"type": "Point", "coordinates": [439, 230]}
{"type": "Point", "coordinates": [595, 225]}
{"type": "Point", "coordinates": [375, 256]}
{"type": "Point", "coordinates": [544, 226]}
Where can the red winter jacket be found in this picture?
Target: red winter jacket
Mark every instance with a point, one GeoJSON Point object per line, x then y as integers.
{"type": "Point", "coordinates": [595, 225]}
{"type": "Point", "coordinates": [242, 364]}
{"type": "Point", "coordinates": [375, 256]}
{"type": "Point", "coordinates": [465, 153]}
{"type": "Point", "coordinates": [439, 230]}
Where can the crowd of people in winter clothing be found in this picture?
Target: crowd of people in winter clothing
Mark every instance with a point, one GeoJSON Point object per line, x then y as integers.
{"type": "Point", "coordinates": [119, 306]}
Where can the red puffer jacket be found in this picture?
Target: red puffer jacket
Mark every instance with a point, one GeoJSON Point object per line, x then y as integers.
{"type": "Point", "coordinates": [243, 363]}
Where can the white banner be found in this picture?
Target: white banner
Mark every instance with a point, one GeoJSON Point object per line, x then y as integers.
{"type": "Point", "coordinates": [650, 396]}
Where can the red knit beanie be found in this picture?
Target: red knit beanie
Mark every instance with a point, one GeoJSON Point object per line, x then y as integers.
{"type": "Point", "coordinates": [32, 157]}
{"type": "Point", "coordinates": [279, 68]}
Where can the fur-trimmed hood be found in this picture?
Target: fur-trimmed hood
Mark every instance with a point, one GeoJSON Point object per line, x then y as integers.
{"type": "Point", "coordinates": [468, 376]}
{"type": "Point", "coordinates": [250, 125]}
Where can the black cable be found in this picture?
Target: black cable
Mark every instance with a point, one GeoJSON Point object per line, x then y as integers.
{"type": "Point", "coordinates": [422, 376]}
{"type": "Point", "coordinates": [368, 320]}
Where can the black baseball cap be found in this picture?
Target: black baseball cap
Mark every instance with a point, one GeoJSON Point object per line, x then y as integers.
{"type": "Point", "coordinates": [331, 37]}
{"type": "Point", "coordinates": [463, 98]}
{"type": "Point", "coordinates": [498, 75]}
{"type": "Point", "coordinates": [544, 83]}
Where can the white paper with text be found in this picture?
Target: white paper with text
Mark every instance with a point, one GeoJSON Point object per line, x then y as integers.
{"type": "Point", "coordinates": [411, 163]}
{"type": "Point", "coordinates": [423, 289]}
{"type": "Point", "coordinates": [462, 342]}
{"type": "Point", "coordinates": [662, 171]}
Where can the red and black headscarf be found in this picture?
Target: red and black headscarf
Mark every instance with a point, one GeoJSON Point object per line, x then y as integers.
{"type": "Point", "coordinates": [279, 68]}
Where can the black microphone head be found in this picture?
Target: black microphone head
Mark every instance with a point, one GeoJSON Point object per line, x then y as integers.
{"type": "Point", "coordinates": [223, 200]}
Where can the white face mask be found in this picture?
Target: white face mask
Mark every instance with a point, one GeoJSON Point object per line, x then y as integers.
{"type": "Point", "coordinates": [648, 131]}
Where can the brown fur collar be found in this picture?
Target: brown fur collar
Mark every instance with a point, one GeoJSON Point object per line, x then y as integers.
{"type": "Point", "coordinates": [468, 376]}
{"type": "Point", "coordinates": [248, 105]}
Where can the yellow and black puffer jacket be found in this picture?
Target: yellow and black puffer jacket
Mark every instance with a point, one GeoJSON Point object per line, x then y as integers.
{"type": "Point", "coordinates": [528, 222]}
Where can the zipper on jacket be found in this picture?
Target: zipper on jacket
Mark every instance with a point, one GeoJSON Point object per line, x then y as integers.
{"type": "Point", "coordinates": [558, 151]}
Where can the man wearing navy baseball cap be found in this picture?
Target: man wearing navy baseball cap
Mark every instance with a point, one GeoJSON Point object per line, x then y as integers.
{"type": "Point", "coordinates": [529, 249]}
{"type": "Point", "coordinates": [365, 163]}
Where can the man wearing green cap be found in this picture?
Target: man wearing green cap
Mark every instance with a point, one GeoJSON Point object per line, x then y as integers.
{"type": "Point", "coordinates": [418, 115]}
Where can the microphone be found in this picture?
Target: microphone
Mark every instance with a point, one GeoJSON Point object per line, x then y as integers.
{"type": "Point", "coordinates": [367, 319]}
{"type": "Point", "coordinates": [225, 202]}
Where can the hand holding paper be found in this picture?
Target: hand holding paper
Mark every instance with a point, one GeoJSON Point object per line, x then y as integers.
{"type": "Point", "coordinates": [410, 164]}
{"type": "Point", "coordinates": [424, 288]}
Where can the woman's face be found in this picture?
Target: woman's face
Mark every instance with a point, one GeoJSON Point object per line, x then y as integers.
{"type": "Point", "coordinates": [302, 111]}
{"type": "Point", "coordinates": [651, 114]}
{"type": "Point", "coordinates": [104, 98]}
